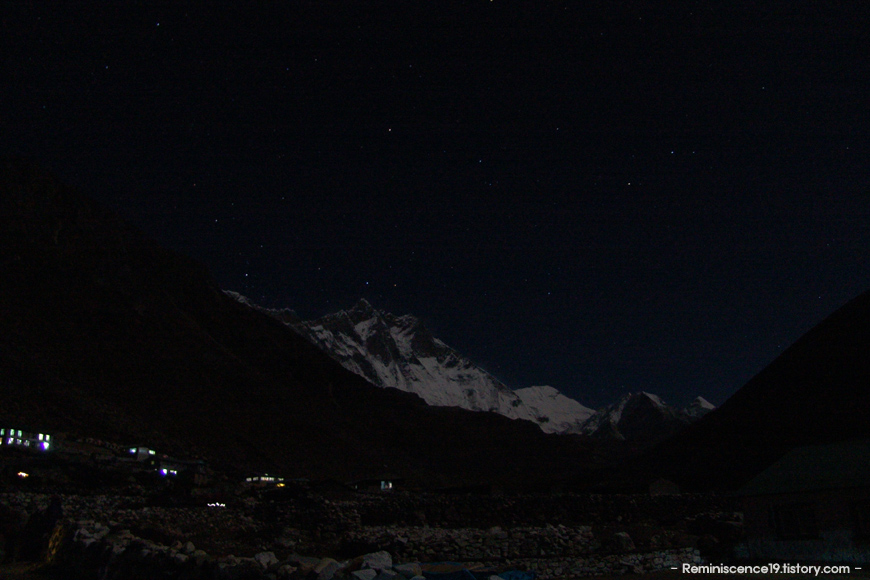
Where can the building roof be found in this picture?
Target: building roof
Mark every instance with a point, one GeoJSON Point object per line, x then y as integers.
{"type": "Point", "coordinates": [813, 468]}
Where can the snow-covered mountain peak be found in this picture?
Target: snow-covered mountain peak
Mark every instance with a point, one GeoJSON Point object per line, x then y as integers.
{"type": "Point", "coordinates": [654, 398]}
{"type": "Point", "coordinates": [400, 352]}
{"type": "Point", "coordinates": [699, 407]}
{"type": "Point", "coordinates": [704, 403]}
{"type": "Point", "coordinates": [644, 416]}
{"type": "Point", "coordinates": [360, 312]}
{"type": "Point", "coordinates": [552, 410]}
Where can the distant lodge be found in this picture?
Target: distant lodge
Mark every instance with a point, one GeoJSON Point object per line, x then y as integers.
{"type": "Point", "coordinates": [264, 480]}
{"type": "Point", "coordinates": [138, 457]}
{"type": "Point", "coordinates": [385, 483]}
{"type": "Point", "coordinates": [20, 438]}
{"type": "Point", "coordinates": [146, 458]}
{"type": "Point", "coordinates": [811, 505]}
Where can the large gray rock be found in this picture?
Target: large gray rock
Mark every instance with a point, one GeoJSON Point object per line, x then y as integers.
{"type": "Point", "coordinates": [266, 559]}
{"type": "Point", "coordinates": [327, 568]}
{"type": "Point", "coordinates": [388, 575]}
{"type": "Point", "coordinates": [364, 574]}
{"type": "Point", "coordinates": [409, 570]}
{"type": "Point", "coordinates": [624, 543]}
{"type": "Point", "coordinates": [306, 564]}
{"type": "Point", "coordinates": [241, 568]}
{"type": "Point", "coordinates": [378, 560]}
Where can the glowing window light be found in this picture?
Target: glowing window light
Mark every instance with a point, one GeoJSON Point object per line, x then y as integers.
{"type": "Point", "coordinates": [48, 437]}
{"type": "Point", "coordinates": [45, 445]}
{"type": "Point", "coordinates": [163, 471]}
{"type": "Point", "coordinates": [3, 431]}
{"type": "Point", "coordinates": [22, 474]}
{"type": "Point", "coordinates": [151, 452]}
{"type": "Point", "coordinates": [41, 436]}
{"type": "Point", "coordinates": [132, 450]}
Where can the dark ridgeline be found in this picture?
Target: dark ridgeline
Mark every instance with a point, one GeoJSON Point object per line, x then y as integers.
{"type": "Point", "coordinates": [816, 392]}
{"type": "Point", "coordinates": [104, 333]}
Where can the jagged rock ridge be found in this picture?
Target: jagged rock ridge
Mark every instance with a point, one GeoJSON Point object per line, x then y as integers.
{"type": "Point", "coordinates": [643, 416]}
{"type": "Point", "coordinates": [400, 352]}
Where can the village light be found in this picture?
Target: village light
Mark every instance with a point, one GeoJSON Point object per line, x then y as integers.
{"type": "Point", "coordinates": [22, 474]}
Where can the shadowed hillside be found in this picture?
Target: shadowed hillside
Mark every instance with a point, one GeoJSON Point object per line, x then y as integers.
{"type": "Point", "coordinates": [817, 391]}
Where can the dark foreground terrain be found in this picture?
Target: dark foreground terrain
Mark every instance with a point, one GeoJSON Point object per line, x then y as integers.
{"type": "Point", "coordinates": [334, 533]}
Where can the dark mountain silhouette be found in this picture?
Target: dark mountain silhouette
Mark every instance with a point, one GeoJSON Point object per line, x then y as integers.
{"type": "Point", "coordinates": [104, 333]}
{"type": "Point", "coordinates": [643, 418]}
{"type": "Point", "coordinates": [817, 391]}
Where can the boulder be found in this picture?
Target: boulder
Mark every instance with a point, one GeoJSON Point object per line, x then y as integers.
{"type": "Point", "coordinates": [266, 559]}
{"type": "Point", "coordinates": [305, 564]}
{"type": "Point", "coordinates": [378, 560]}
{"type": "Point", "coordinates": [326, 568]}
{"type": "Point", "coordinates": [409, 570]}
{"type": "Point", "coordinates": [623, 542]}
{"type": "Point", "coordinates": [366, 574]}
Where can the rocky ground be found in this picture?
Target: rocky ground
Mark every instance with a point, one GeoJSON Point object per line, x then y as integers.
{"type": "Point", "coordinates": [308, 534]}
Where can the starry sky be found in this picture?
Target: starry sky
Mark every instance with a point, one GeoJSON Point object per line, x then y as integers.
{"type": "Point", "coordinates": [602, 196]}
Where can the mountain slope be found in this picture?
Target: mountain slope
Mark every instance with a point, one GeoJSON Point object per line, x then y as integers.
{"type": "Point", "coordinates": [643, 416]}
{"type": "Point", "coordinates": [552, 410]}
{"type": "Point", "coordinates": [817, 391]}
{"type": "Point", "coordinates": [400, 352]}
{"type": "Point", "coordinates": [104, 333]}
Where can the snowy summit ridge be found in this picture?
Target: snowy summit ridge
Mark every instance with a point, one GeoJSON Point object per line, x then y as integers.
{"type": "Point", "coordinates": [399, 352]}
{"type": "Point", "coordinates": [645, 416]}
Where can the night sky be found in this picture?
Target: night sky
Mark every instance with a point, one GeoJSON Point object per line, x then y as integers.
{"type": "Point", "coordinates": [604, 196]}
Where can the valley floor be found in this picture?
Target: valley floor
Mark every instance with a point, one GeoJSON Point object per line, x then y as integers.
{"type": "Point", "coordinates": [557, 536]}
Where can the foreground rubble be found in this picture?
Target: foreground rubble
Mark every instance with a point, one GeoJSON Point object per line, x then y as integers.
{"type": "Point", "coordinates": [314, 537]}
